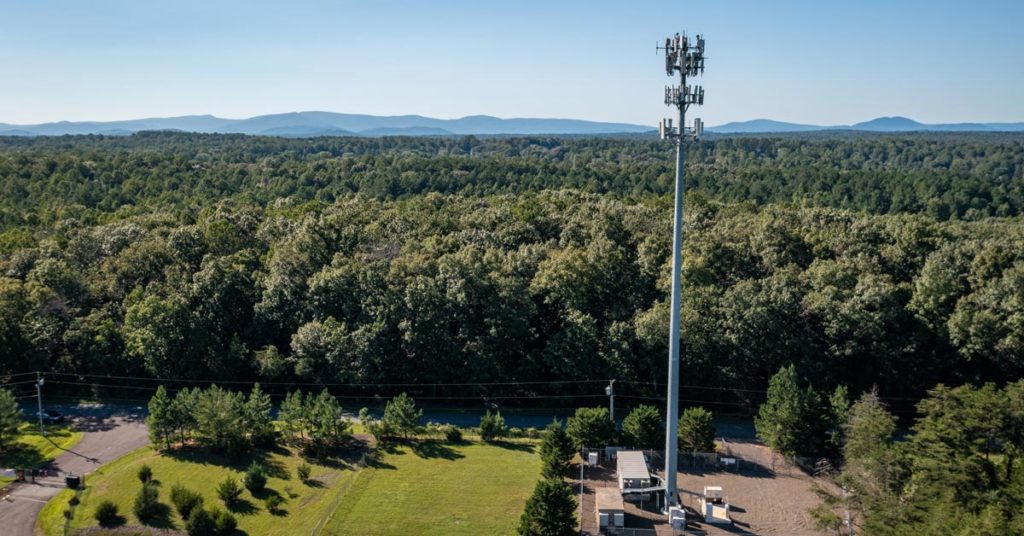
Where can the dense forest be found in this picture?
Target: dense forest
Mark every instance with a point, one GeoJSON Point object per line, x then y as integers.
{"type": "Point", "coordinates": [91, 179]}
{"type": "Point", "coordinates": [895, 262]}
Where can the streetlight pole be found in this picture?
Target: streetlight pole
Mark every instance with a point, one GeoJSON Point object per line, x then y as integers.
{"type": "Point", "coordinates": [39, 399]}
{"type": "Point", "coordinates": [686, 57]}
{"type": "Point", "coordinates": [610, 391]}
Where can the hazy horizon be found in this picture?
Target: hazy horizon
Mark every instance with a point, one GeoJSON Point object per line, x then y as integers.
{"type": "Point", "coordinates": [796, 61]}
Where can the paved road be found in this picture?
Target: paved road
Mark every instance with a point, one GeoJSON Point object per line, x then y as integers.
{"type": "Point", "coordinates": [108, 433]}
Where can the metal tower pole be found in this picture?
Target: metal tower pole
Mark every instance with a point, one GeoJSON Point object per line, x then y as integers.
{"type": "Point", "coordinates": [672, 411]}
{"type": "Point", "coordinates": [687, 58]}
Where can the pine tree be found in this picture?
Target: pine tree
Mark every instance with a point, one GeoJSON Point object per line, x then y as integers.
{"type": "Point", "coordinates": [183, 412]}
{"type": "Point", "coordinates": [401, 415]}
{"type": "Point", "coordinates": [10, 418]}
{"type": "Point", "coordinates": [839, 412]}
{"type": "Point", "coordinates": [258, 418]}
{"type": "Point", "coordinates": [872, 468]}
{"type": "Point", "coordinates": [492, 426]}
{"type": "Point", "coordinates": [328, 426]}
{"type": "Point", "coordinates": [160, 421]}
{"type": "Point", "coordinates": [780, 418]}
{"type": "Point", "coordinates": [147, 503]}
{"type": "Point", "coordinates": [696, 430]}
{"type": "Point", "coordinates": [292, 416]}
{"type": "Point", "coordinates": [550, 511]}
{"type": "Point", "coordinates": [556, 452]}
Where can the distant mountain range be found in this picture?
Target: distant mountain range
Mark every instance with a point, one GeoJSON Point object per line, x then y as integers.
{"type": "Point", "coordinates": [881, 124]}
{"type": "Point", "coordinates": [311, 124]}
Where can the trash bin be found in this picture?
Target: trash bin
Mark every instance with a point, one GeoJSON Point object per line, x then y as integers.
{"type": "Point", "coordinates": [73, 481]}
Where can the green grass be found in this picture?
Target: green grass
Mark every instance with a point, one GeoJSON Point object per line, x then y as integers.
{"type": "Point", "coordinates": [200, 471]}
{"type": "Point", "coordinates": [434, 488]}
{"type": "Point", "coordinates": [33, 450]}
{"type": "Point", "coordinates": [51, 517]}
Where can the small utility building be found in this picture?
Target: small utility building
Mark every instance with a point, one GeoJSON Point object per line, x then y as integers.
{"type": "Point", "coordinates": [631, 467]}
{"type": "Point", "coordinates": [610, 511]}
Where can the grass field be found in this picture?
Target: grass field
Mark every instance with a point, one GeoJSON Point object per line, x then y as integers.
{"type": "Point", "coordinates": [433, 488]}
{"type": "Point", "coordinates": [34, 450]}
{"type": "Point", "coordinates": [305, 506]}
{"type": "Point", "coordinates": [51, 517]}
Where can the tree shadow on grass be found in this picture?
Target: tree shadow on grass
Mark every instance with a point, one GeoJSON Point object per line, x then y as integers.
{"type": "Point", "coordinates": [242, 507]}
{"type": "Point", "coordinates": [344, 457]}
{"type": "Point", "coordinates": [22, 456]}
{"type": "Point", "coordinates": [203, 455]}
{"type": "Point", "coordinates": [266, 493]}
{"type": "Point", "coordinates": [374, 460]}
{"type": "Point", "coordinates": [508, 445]}
{"type": "Point", "coordinates": [278, 511]}
{"type": "Point", "coordinates": [435, 449]}
{"type": "Point", "coordinates": [275, 469]}
{"type": "Point", "coordinates": [117, 521]}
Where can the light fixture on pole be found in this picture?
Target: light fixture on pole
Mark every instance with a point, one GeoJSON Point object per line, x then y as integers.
{"type": "Point", "coordinates": [610, 393]}
{"type": "Point", "coordinates": [687, 58]}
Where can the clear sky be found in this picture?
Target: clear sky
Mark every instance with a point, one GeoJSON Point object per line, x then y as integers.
{"type": "Point", "coordinates": [815, 61]}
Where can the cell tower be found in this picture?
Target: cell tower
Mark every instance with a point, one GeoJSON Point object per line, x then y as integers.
{"type": "Point", "coordinates": [686, 57]}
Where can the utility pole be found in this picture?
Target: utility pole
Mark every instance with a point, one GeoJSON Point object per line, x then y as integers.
{"type": "Point", "coordinates": [610, 391]}
{"type": "Point", "coordinates": [39, 398]}
{"type": "Point", "coordinates": [686, 57]}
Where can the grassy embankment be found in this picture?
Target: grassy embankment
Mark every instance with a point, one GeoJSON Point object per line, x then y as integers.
{"type": "Point", "coordinates": [33, 450]}
{"type": "Point", "coordinates": [305, 503]}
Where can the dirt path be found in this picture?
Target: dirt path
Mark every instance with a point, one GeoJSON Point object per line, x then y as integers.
{"type": "Point", "coordinates": [108, 433]}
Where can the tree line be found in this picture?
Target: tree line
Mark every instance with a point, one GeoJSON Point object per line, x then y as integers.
{"type": "Point", "coordinates": [86, 180]}
{"type": "Point", "coordinates": [559, 285]}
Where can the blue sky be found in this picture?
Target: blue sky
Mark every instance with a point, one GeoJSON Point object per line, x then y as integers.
{"type": "Point", "coordinates": [822, 61]}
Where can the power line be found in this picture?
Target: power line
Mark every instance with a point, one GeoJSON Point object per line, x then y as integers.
{"type": "Point", "coordinates": [18, 383]}
{"type": "Point", "coordinates": [153, 388]}
{"type": "Point", "coordinates": [19, 374]}
{"type": "Point", "coordinates": [736, 389]}
{"type": "Point", "coordinates": [426, 397]}
{"type": "Point", "coordinates": [327, 384]}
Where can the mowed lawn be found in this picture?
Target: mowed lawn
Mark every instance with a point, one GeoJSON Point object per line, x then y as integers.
{"type": "Point", "coordinates": [33, 450]}
{"type": "Point", "coordinates": [306, 504]}
{"type": "Point", "coordinates": [434, 488]}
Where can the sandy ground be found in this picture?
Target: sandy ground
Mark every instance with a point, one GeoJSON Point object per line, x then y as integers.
{"type": "Point", "coordinates": [108, 433]}
{"type": "Point", "coordinates": [767, 497]}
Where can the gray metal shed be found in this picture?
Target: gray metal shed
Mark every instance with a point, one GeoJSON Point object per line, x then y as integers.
{"type": "Point", "coordinates": [631, 468]}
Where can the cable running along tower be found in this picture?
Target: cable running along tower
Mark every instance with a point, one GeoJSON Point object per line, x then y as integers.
{"type": "Point", "coordinates": [686, 57]}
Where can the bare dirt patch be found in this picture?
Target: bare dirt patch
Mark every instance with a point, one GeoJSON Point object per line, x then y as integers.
{"type": "Point", "coordinates": [767, 496]}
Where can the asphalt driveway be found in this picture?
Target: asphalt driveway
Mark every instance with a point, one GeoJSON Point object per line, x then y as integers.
{"type": "Point", "coordinates": [108, 433]}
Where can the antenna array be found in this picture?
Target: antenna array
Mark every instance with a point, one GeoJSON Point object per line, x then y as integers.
{"type": "Point", "coordinates": [687, 58]}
